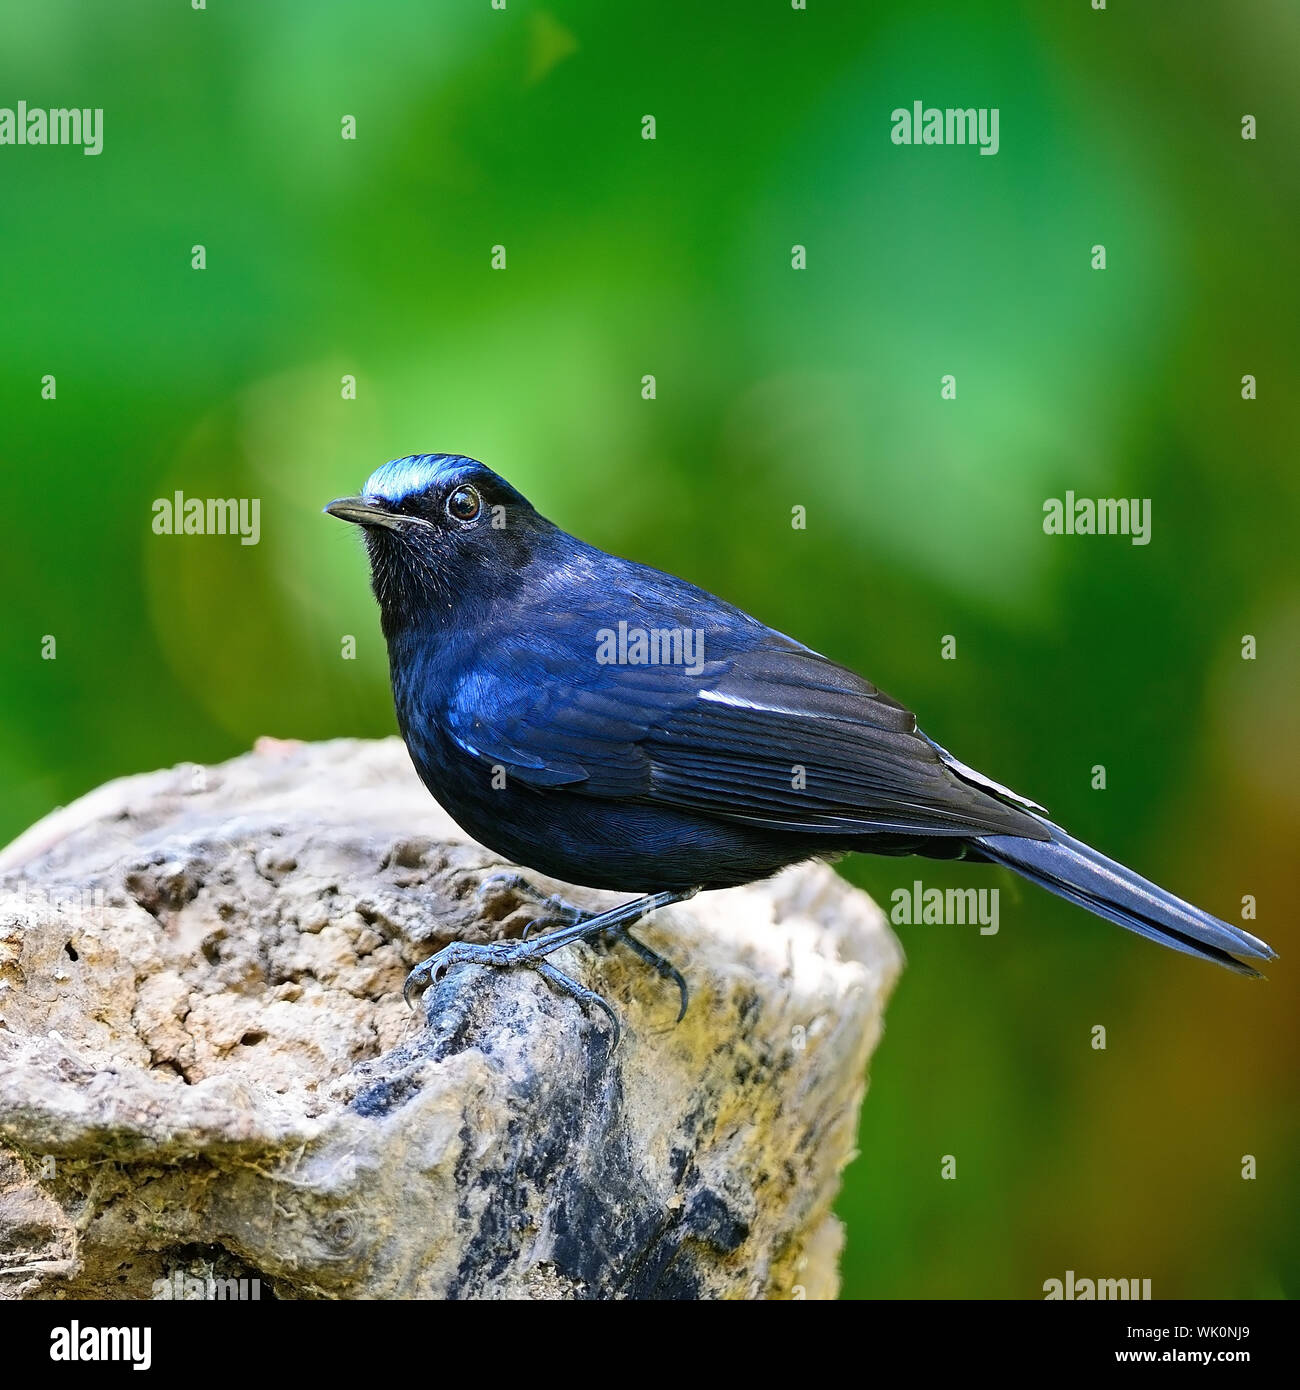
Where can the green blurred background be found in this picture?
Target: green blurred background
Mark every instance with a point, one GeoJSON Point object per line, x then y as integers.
{"type": "Point", "coordinates": [775, 387]}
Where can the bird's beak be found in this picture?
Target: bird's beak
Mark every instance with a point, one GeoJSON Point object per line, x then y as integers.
{"type": "Point", "coordinates": [362, 513]}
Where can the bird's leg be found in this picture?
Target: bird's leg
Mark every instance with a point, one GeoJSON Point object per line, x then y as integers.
{"type": "Point", "coordinates": [532, 954]}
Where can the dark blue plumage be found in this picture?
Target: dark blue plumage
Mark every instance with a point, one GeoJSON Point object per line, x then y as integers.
{"type": "Point", "coordinates": [716, 767]}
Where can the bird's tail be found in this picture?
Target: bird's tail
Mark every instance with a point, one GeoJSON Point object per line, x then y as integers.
{"type": "Point", "coordinates": [1074, 871]}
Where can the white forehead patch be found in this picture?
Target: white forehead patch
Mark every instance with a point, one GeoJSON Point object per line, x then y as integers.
{"type": "Point", "coordinates": [400, 478]}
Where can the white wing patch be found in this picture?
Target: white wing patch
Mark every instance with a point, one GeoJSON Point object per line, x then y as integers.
{"type": "Point", "coordinates": [978, 779]}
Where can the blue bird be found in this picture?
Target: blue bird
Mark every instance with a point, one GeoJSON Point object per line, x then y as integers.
{"type": "Point", "coordinates": [613, 726]}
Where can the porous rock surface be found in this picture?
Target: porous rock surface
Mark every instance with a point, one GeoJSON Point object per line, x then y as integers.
{"type": "Point", "coordinates": [207, 1069]}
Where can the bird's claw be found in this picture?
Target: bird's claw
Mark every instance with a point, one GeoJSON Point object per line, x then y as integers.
{"type": "Point", "coordinates": [584, 996]}
{"type": "Point", "coordinates": [662, 967]}
{"type": "Point", "coordinates": [418, 981]}
{"type": "Point", "coordinates": [434, 970]}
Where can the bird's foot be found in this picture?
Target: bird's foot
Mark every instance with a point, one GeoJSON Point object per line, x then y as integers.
{"type": "Point", "coordinates": [577, 925]}
{"type": "Point", "coordinates": [501, 955]}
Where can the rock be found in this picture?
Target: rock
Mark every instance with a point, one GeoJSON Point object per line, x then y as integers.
{"type": "Point", "coordinates": [207, 1071]}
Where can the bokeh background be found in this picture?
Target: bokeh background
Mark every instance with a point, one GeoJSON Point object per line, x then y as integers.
{"type": "Point", "coordinates": [775, 387]}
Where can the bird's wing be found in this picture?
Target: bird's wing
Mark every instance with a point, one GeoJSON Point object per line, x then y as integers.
{"type": "Point", "coordinates": [767, 732]}
{"type": "Point", "coordinates": [789, 740]}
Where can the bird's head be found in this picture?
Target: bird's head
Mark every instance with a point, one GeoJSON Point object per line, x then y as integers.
{"type": "Point", "coordinates": [440, 529]}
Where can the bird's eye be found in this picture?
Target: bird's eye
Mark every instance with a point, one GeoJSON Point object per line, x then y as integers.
{"type": "Point", "coordinates": [464, 503]}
